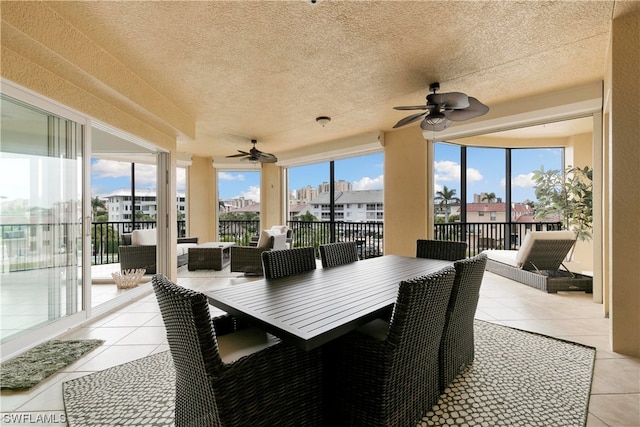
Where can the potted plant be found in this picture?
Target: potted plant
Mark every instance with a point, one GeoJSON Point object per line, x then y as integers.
{"type": "Point", "coordinates": [568, 194]}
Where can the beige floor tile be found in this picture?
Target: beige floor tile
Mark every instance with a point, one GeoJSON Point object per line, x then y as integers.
{"type": "Point", "coordinates": [116, 355]}
{"type": "Point", "coordinates": [146, 335]}
{"type": "Point", "coordinates": [616, 376]}
{"type": "Point", "coordinates": [616, 410]}
{"type": "Point", "coordinates": [129, 319]}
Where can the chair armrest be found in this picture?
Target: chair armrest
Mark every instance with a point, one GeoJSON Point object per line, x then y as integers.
{"type": "Point", "coordinates": [188, 240]}
{"type": "Point", "coordinates": [138, 256]}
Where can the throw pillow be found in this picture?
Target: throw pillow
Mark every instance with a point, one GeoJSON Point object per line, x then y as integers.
{"type": "Point", "coordinates": [264, 240]}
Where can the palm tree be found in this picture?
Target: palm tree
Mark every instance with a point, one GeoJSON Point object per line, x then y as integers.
{"type": "Point", "coordinates": [489, 197]}
{"type": "Point", "coordinates": [97, 205]}
{"type": "Point", "coordinates": [444, 198]}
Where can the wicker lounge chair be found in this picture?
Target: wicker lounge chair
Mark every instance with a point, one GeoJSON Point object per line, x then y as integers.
{"type": "Point", "coordinates": [537, 262]}
{"type": "Point", "coordinates": [246, 378]}
{"type": "Point", "coordinates": [386, 373]}
{"type": "Point", "coordinates": [457, 347]}
{"type": "Point", "coordinates": [287, 262]}
{"type": "Point", "coordinates": [248, 259]}
{"type": "Point", "coordinates": [441, 249]}
{"type": "Point", "coordinates": [333, 254]}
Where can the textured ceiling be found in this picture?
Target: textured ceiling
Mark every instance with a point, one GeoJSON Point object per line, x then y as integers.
{"type": "Point", "coordinates": [266, 69]}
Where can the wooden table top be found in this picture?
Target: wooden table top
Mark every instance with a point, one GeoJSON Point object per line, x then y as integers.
{"type": "Point", "coordinates": [312, 308]}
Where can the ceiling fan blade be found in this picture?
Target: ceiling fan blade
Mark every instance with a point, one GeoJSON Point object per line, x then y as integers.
{"type": "Point", "coordinates": [437, 127]}
{"type": "Point", "coordinates": [412, 107]}
{"type": "Point", "coordinates": [242, 154]}
{"type": "Point", "coordinates": [475, 109]}
{"type": "Point", "coordinates": [451, 100]}
{"type": "Point", "coordinates": [409, 119]}
{"type": "Point", "coordinates": [266, 158]}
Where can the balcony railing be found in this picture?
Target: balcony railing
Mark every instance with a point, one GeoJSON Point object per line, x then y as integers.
{"type": "Point", "coordinates": [490, 235]}
{"type": "Point", "coordinates": [30, 246]}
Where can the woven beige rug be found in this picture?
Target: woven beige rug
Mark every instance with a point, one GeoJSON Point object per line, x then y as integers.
{"type": "Point", "coordinates": [517, 378]}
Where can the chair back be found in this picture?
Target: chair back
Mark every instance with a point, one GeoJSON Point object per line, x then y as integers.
{"type": "Point", "coordinates": [441, 249]}
{"type": "Point", "coordinates": [286, 262]}
{"type": "Point", "coordinates": [193, 348]}
{"type": "Point", "coordinates": [413, 342]}
{"type": "Point", "coordinates": [457, 344]}
{"type": "Point", "coordinates": [332, 254]}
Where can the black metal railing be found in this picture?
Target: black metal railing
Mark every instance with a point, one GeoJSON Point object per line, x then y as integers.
{"type": "Point", "coordinates": [490, 235]}
{"type": "Point", "coordinates": [368, 235]}
{"type": "Point", "coordinates": [30, 246]}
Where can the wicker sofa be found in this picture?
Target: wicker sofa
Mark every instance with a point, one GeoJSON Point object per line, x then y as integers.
{"type": "Point", "coordinates": [138, 250]}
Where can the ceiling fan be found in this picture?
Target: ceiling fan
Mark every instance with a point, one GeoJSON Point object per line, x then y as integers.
{"type": "Point", "coordinates": [442, 109]}
{"type": "Point", "coordinates": [254, 155]}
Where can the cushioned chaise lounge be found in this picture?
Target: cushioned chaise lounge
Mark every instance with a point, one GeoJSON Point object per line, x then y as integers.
{"type": "Point", "coordinates": [537, 262]}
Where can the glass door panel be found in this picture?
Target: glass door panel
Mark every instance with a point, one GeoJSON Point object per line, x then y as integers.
{"type": "Point", "coordinates": [40, 218]}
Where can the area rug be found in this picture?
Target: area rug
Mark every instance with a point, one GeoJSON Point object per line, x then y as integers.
{"type": "Point", "coordinates": [30, 368]}
{"type": "Point", "coordinates": [517, 378]}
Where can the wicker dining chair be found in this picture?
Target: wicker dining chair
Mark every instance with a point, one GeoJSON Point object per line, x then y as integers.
{"type": "Point", "coordinates": [246, 378]}
{"type": "Point", "coordinates": [333, 254]}
{"type": "Point", "coordinates": [457, 346]}
{"type": "Point", "coordinates": [286, 262]}
{"type": "Point", "coordinates": [441, 249]}
{"type": "Point", "coordinates": [385, 374]}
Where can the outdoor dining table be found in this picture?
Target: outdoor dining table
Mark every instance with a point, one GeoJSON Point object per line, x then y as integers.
{"type": "Point", "coordinates": [315, 307]}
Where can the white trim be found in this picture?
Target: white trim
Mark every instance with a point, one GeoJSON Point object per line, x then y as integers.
{"type": "Point", "coordinates": [37, 100]}
{"type": "Point", "coordinates": [353, 146]}
{"type": "Point", "coordinates": [226, 164]}
{"type": "Point", "coordinates": [127, 137]}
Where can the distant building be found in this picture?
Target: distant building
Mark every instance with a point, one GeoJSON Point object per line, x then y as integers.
{"type": "Point", "coordinates": [240, 202]}
{"type": "Point", "coordinates": [120, 208]}
{"type": "Point", "coordinates": [366, 205]}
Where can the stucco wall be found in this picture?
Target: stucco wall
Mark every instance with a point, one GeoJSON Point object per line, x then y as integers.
{"type": "Point", "coordinates": [202, 200]}
{"type": "Point", "coordinates": [624, 202]}
{"type": "Point", "coordinates": [405, 188]}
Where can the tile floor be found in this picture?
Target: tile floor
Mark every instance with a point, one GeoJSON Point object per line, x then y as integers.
{"type": "Point", "coordinates": [137, 330]}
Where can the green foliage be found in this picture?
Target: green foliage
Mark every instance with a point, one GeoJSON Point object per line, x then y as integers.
{"type": "Point", "coordinates": [568, 194]}
{"type": "Point", "coordinates": [307, 216]}
{"type": "Point", "coordinates": [240, 216]}
{"type": "Point", "coordinates": [444, 198]}
{"type": "Point", "coordinates": [489, 197]}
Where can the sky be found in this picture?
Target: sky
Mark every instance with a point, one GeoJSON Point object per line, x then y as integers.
{"type": "Point", "coordinates": [485, 173]}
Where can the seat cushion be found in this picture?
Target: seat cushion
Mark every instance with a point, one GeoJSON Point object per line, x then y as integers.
{"type": "Point", "coordinates": [183, 248]}
{"type": "Point", "coordinates": [282, 229]}
{"type": "Point", "coordinates": [279, 241]}
{"type": "Point", "coordinates": [504, 256]}
{"type": "Point", "coordinates": [143, 237]}
{"type": "Point", "coordinates": [243, 343]}
{"type": "Point", "coordinates": [378, 329]}
{"type": "Point", "coordinates": [532, 236]}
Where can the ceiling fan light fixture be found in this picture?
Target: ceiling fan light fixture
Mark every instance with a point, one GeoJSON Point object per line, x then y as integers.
{"type": "Point", "coordinates": [323, 120]}
{"type": "Point", "coordinates": [435, 118]}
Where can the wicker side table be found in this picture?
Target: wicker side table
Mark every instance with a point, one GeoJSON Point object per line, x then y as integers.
{"type": "Point", "coordinates": [210, 255]}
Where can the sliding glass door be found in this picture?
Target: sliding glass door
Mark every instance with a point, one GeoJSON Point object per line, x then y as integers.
{"type": "Point", "coordinates": [41, 170]}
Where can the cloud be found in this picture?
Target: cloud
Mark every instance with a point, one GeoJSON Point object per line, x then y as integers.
{"type": "Point", "coordinates": [253, 193]}
{"type": "Point", "coordinates": [110, 169]}
{"type": "Point", "coordinates": [447, 171]}
{"type": "Point", "coordinates": [523, 181]}
{"type": "Point", "coordinates": [367, 183]}
{"type": "Point", "coordinates": [227, 176]}
{"type": "Point", "coordinates": [145, 174]}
